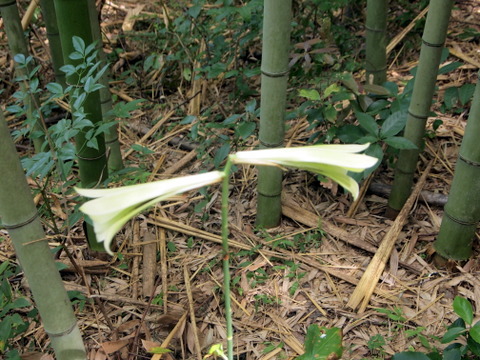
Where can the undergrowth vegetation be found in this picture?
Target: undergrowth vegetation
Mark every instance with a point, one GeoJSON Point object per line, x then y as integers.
{"type": "Point", "coordinates": [218, 42]}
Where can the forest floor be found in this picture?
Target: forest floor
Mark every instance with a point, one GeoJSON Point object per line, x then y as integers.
{"type": "Point", "coordinates": [134, 300]}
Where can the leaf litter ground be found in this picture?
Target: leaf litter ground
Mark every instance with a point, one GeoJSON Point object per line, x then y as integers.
{"type": "Point", "coordinates": [165, 288]}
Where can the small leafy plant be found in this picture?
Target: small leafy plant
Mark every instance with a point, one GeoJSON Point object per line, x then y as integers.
{"type": "Point", "coordinates": [463, 337]}
{"type": "Point", "coordinates": [15, 317]}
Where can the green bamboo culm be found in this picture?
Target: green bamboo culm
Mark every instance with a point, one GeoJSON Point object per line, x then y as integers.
{"type": "Point", "coordinates": [226, 260]}
{"type": "Point", "coordinates": [430, 54]}
{"type": "Point", "coordinates": [376, 41]}
{"type": "Point", "coordinates": [275, 56]}
{"type": "Point", "coordinates": [18, 45]}
{"type": "Point", "coordinates": [462, 211]}
{"type": "Point", "coordinates": [19, 217]}
{"type": "Point", "coordinates": [115, 161]}
{"type": "Point", "coordinates": [74, 20]}
{"type": "Point", "coordinates": [50, 19]}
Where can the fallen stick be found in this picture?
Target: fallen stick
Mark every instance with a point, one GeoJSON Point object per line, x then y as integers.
{"type": "Point", "coordinates": [305, 217]}
{"type": "Point", "coordinates": [364, 290]}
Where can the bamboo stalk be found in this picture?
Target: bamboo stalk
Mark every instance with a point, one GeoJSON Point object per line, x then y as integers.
{"type": "Point", "coordinates": [275, 48]}
{"type": "Point", "coordinates": [74, 20]}
{"type": "Point", "coordinates": [364, 290]}
{"type": "Point", "coordinates": [17, 44]}
{"type": "Point", "coordinates": [376, 41]}
{"type": "Point", "coordinates": [115, 161]}
{"type": "Point", "coordinates": [433, 40]}
{"type": "Point", "coordinates": [462, 211]}
{"type": "Point", "coordinates": [19, 216]}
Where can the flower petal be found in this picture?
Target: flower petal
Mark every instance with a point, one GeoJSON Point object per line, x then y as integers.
{"type": "Point", "coordinates": [330, 160]}
{"type": "Point", "coordinates": [112, 208]}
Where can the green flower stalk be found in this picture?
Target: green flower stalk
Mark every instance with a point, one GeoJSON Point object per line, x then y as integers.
{"type": "Point", "coordinates": [112, 208]}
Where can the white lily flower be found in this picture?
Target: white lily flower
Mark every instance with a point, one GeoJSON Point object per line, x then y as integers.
{"type": "Point", "coordinates": [333, 161]}
{"type": "Point", "coordinates": [112, 208]}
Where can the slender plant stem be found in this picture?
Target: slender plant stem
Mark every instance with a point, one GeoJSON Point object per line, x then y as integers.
{"type": "Point", "coordinates": [225, 256]}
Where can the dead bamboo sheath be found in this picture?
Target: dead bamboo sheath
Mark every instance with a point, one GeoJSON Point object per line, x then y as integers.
{"type": "Point", "coordinates": [369, 280]}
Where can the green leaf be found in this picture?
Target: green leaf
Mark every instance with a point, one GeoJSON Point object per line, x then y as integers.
{"type": "Point", "coordinates": [465, 93]}
{"type": "Point", "coordinates": [449, 67]}
{"type": "Point", "coordinates": [55, 88]}
{"type": "Point", "coordinates": [221, 154]}
{"type": "Point", "coordinates": [334, 88]}
{"type": "Point", "coordinates": [246, 129]}
{"type": "Point", "coordinates": [393, 124]}
{"type": "Point", "coordinates": [473, 346]}
{"type": "Point", "coordinates": [159, 350]}
{"type": "Point", "coordinates": [68, 69]}
{"type": "Point", "coordinates": [410, 355]}
{"type": "Point", "coordinates": [475, 332]}
{"type": "Point", "coordinates": [231, 119]}
{"type": "Point", "coordinates": [452, 354]}
{"type": "Point", "coordinates": [376, 89]}
{"type": "Point", "coordinates": [78, 44]}
{"type": "Point", "coordinates": [368, 123]}
{"type": "Point", "coordinates": [463, 308]}
{"type": "Point", "coordinates": [452, 334]}
{"type": "Point", "coordinates": [322, 343]}
{"type": "Point", "coordinates": [399, 142]}
{"type": "Point", "coordinates": [311, 94]}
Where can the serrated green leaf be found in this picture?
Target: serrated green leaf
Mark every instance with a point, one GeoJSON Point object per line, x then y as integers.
{"type": "Point", "coordinates": [463, 308]}
{"type": "Point", "coordinates": [393, 124]}
{"type": "Point", "coordinates": [368, 123]}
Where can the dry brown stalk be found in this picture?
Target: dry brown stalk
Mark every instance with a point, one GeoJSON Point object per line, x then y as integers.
{"type": "Point", "coordinates": [364, 290]}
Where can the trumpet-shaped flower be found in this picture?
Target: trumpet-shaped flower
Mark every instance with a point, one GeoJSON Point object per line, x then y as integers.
{"type": "Point", "coordinates": [112, 208]}
{"type": "Point", "coordinates": [333, 161]}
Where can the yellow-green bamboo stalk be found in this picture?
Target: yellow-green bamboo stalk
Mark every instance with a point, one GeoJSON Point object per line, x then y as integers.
{"type": "Point", "coordinates": [462, 211]}
{"type": "Point", "coordinates": [18, 45]}
{"type": "Point", "coordinates": [376, 41]}
{"type": "Point", "coordinates": [432, 45]}
{"type": "Point", "coordinates": [50, 18]}
{"type": "Point", "coordinates": [275, 52]}
{"type": "Point", "coordinates": [74, 20]}
{"type": "Point", "coordinates": [19, 216]}
{"type": "Point", "coordinates": [115, 161]}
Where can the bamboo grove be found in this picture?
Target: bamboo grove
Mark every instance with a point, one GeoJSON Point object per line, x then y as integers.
{"type": "Point", "coordinates": [66, 20]}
